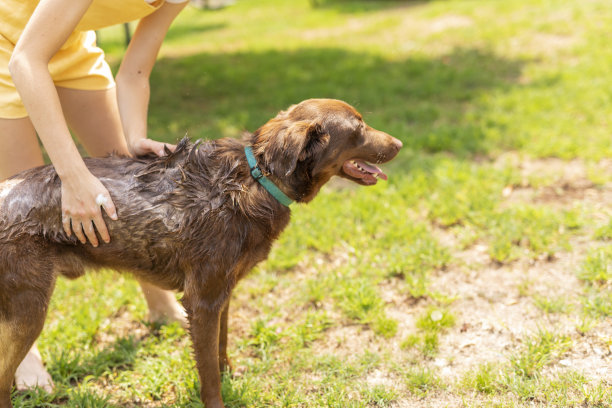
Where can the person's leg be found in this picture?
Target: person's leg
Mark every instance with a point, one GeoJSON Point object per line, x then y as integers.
{"type": "Point", "coordinates": [31, 372]}
{"type": "Point", "coordinates": [21, 151]}
{"type": "Point", "coordinates": [94, 118]}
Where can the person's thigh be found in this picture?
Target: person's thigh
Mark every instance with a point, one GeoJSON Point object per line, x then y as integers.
{"type": "Point", "coordinates": [93, 116]}
{"type": "Point", "coordinates": [19, 148]}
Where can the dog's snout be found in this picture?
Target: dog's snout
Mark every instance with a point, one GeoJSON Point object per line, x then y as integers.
{"type": "Point", "coordinates": [397, 144]}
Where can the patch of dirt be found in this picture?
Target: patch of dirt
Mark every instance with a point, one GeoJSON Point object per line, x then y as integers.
{"type": "Point", "coordinates": [550, 44]}
{"type": "Point", "coordinates": [494, 315]}
{"type": "Point", "coordinates": [120, 325]}
{"type": "Point", "coordinates": [449, 22]}
{"type": "Point", "coordinates": [496, 305]}
{"type": "Point", "coordinates": [560, 183]}
{"type": "Point", "coordinates": [352, 26]}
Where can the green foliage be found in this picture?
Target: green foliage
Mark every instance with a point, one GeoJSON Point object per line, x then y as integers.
{"type": "Point", "coordinates": [433, 322]}
{"type": "Point", "coordinates": [538, 351]}
{"type": "Point", "coordinates": [88, 399]}
{"type": "Point", "coordinates": [537, 230]}
{"type": "Point", "coordinates": [435, 319]}
{"type": "Point", "coordinates": [311, 329]}
{"type": "Point", "coordinates": [598, 303]}
{"type": "Point", "coordinates": [597, 268]}
{"type": "Point", "coordinates": [484, 379]}
{"type": "Point", "coordinates": [596, 272]}
{"type": "Point", "coordinates": [421, 381]}
{"type": "Point", "coordinates": [604, 232]}
{"type": "Point", "coordinates": [359, 301]}
{"type": "Point", "coordinates": [552, 304]}
{"type": "Point", "coordinates": [264, 337]}
{"type": "Point", "coordinates": [380, 396]}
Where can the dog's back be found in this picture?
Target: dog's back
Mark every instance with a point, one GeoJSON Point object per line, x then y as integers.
{"type": "Point", "coordinates": [142, 190]}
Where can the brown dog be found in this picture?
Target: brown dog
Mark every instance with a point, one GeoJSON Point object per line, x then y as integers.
{"type": "Point", "coordinates": [196, 220]}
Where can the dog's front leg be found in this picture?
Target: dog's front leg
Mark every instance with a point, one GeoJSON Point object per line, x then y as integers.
{"type": "Point", "coordinates": [224, 362]}
{"type": "Point", "coordinates": [204, 326]}
{"type": "Point", "coordinates": [204, 302]}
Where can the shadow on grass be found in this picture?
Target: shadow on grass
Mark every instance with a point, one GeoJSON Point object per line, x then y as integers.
{"type": "Point", "coordinates": [191, 27]}
{"type": "Point", "coordinates": [421, 101]}
{"type": "Point", "coordinates": [114, 43]}
{"type": "Point", "coordinates": [363, 6]}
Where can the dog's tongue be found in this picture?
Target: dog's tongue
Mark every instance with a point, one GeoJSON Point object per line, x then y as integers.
{"type": "Point", "coordinates": [363, 171]}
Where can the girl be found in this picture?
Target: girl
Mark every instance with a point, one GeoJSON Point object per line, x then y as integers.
{"type": "Point", "coordinates": [54, 78]}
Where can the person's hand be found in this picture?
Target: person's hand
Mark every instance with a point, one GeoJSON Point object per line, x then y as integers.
{"type": "Point", "coordinates": [144, 146]}
{"type": "Point", "coordinates": [82, 197]}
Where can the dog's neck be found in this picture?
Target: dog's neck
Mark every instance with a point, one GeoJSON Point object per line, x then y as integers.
{"type": "Point", "coordinates": [261, 178]}
{"type": "Point", "coordinates": [299, 186]}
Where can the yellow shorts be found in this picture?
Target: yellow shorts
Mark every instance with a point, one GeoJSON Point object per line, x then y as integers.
{"type": "Point", "coordinates": [79, 64]}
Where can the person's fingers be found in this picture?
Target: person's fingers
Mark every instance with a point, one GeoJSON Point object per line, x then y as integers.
{"type": "Point", "coordinates": [66, 223]}
{"type": "Point", "coordinates": [166, 149]}
{"type": "Point", "coordinates": [82, 198]}
{"type": "Point", "coordinates": [98, 221]}
{"type": "Point", "coordinates": [77, 228]}
{"type": "Point", "coordinates": [152, 146]}
{"type": "Point", "coordinates": [155, 147]}
{"type": "Point", "coordinates": [90, 232]}
{"type": "Point", "coordinates": [106, 202]}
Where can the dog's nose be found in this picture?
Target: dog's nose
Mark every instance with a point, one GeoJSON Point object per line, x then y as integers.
{"type": "Point", "coordinates": [397, 144]}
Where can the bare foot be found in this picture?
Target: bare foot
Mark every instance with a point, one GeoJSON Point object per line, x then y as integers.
{"type": "Point", "coordinates": [31, 373]}
{"type": "Point", "coordinates": [163, 306]}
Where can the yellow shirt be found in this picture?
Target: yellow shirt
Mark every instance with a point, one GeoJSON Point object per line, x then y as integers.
{"type": "Point", "coordinates": [79, 64]}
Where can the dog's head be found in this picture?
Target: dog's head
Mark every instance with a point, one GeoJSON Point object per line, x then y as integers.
{"type": "Point", "coordinates": [304, 146]}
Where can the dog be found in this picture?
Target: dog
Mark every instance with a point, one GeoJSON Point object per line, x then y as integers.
{"type": "Point", "coordinates": [195, 220]}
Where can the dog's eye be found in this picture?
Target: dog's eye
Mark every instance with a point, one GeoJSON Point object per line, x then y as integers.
{"type": "Point", "coordinates": [360, 128]}
{"type": "Point", "coordinates": [356, 136]}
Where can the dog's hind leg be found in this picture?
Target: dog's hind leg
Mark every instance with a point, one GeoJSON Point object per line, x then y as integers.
{"type": "Point", "coordinates": [26, 283]}
{"type": "Point", "coordinates": [12, 353]}
{"type": "Point", "coordinates": [16, 338]}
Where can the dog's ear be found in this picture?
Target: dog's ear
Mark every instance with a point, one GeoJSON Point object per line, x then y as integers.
{"type": "Point", "coordinates": [316, 143]}
{"type": "Point", "coordinates": [287, 145]}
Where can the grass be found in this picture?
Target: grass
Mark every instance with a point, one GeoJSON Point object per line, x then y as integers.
{"type": "Point", "coordinates": [455, 282]}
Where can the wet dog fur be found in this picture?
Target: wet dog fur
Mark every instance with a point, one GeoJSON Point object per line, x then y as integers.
{"type": "Point", "coordinates": [194, 221]}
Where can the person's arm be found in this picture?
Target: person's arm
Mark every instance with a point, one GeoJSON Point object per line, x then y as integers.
{"type": "Point", "coordinates": [47, 30]}
{"type": "Point", "coordinates": [133, 77]}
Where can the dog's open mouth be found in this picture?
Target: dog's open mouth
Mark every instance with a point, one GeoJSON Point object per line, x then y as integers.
{"type": "Point", "coordinates": [363, 172]}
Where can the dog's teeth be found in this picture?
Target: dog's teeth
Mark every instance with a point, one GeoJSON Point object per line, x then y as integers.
{"type": "Point", "coordinates": [361, 169]}
{"type": "Point", "coordinates": [375, 175]}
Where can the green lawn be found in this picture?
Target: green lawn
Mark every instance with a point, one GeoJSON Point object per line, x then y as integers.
{"type": "Point", "coordinates": [480, 274]}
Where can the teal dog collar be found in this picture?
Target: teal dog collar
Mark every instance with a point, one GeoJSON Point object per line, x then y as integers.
{"type": "Point", "coordinates": [263, 180]}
